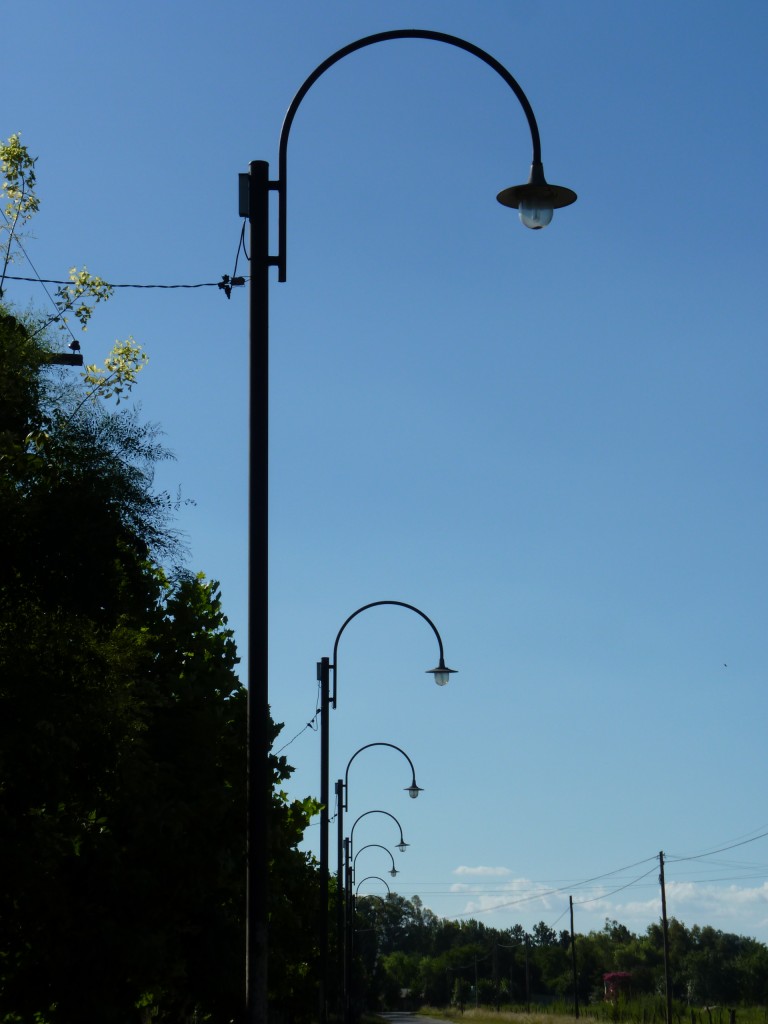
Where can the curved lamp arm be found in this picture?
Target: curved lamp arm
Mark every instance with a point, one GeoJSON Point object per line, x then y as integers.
{"type": "Point", "coordinates": [536, 190]}
{"type": "Point", "coordinates": [368, 879]}
{"type": "Point", "coordinates": [402, 845]}
{"type": "Point", "coordinates": [413, 790]}
{"type": "Point", "coordinates": [370, 846]}
{"type": "Point", "coordinates": [441, 672]}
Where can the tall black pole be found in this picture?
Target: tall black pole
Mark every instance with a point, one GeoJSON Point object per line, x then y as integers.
{"type": "Point", "coordinates": [665, 939]}
{"type": "Point", "coordinates": [348, 925]}
{"type": "Point", "coordinates": [340, 895]}
{"type": "Point", "coordinates": [328, 695]}
{"type": "Point", "coordinates": [324, 676]}
{"type": "Point", "coordinates": [497, 993]}
{"type": "Point", "coordinates": [254, 204]}
{"type": "Point", "coordinates": [259, 770]}
{"type": "Point", "coordinates": [573, 964]}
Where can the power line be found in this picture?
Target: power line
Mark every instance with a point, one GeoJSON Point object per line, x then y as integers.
{"type": "Point", "coordinates": [225, 282]}
{"type": "Point", "coordinates": [605, 895]}
{"type": "Point", "coordinates": [311, 724]}
{"type": "Point", "coordinates": [722, 849]}
{"type": "Point", "coordinates": [543, 894]}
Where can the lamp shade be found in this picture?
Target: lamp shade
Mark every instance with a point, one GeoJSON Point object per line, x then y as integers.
{"type": "Point", "coordinates": [537, 199]}
{"type": "Point", "coordinates": [441, 673]}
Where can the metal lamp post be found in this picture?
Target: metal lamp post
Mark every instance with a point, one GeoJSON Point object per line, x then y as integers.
{"type": "Point", "coordinates": [535, 200]}
{"type": "Point", "coordinates": [347, 858]}
{"type": "Point", "coordinates": [327, 668]}
{"type": "Point", "coordinates": [342, 805]}
{"type": "Point", "coordinates": [368, 879]}
{"type": "Point", "coordinates": [378, 846]}
{"type": "Point", "coordinates": [353, 931]}
{"type": "Point", "coordinates": [349, 842]}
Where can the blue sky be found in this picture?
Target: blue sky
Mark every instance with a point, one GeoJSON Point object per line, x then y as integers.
{"type": "Point", "coordinates": [553, 443]}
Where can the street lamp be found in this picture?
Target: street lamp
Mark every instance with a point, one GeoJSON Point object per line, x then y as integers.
{"type": "Point", "coordinates": [349, 843]}
{"type": "Point", "coordinates": [345, 934]}
{"type": "Point", "coordinates": [368, 846]}
{"type": "Point", "coordinates": [353, 931]}
{"type": "Point", "coordinates": [536, 200]}
{"type": "Point", "coordinates": [368, 879]}
{"type": "Point", "coordinates": [328, 695]}
{"type": "Point", "coordinates": [413, 790]}
{"type": "Point", "coordinates": [342, 801]}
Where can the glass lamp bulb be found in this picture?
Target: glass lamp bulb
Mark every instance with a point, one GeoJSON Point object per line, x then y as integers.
{"type": "Point", "coordinates": [535, 214]}
{"type": "Point", "coordinates": [442, 673]}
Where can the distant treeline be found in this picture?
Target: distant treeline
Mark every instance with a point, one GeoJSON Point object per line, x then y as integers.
{"type": "Point", "coordinates": [406, 954]}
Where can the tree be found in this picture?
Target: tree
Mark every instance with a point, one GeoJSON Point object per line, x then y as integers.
{"type": "Point", "coordinates": [122, 720]}
{"type": "Point", "coordinates": [90, 630]}
{"type": "Point", "coordinates": [543, 935]}
{"type": "Point", "coordinates": [400, 974]}
{"type": "Point", "coordinates": [122, 732]}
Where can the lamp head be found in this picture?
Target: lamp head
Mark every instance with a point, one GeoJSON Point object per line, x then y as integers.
{"type": "Point", "coordinates": [537, 200]}
{"type": "Point", "coordinates": [441, 673]}
{"type": "Point", "coordinates": [393, 871]}
{"type": "Point", "coordinates": [402, 846]}
{"type": "Point", "coordinates": [413, 790]}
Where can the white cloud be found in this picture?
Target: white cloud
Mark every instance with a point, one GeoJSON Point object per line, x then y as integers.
{"type": "Point", "coordinates": [481, 872]}
{"type": "Point", "coordinates": [509, 897]}
{"type": "Point", "coordinates": [742, 910]}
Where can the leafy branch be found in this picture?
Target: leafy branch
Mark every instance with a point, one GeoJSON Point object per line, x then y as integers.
{"type": "Point", "coordinates": [80, 295]}
{"type": "Point", "coordinates": [18, 194]}
{"type": "Point", "coordinates": [121, 368]}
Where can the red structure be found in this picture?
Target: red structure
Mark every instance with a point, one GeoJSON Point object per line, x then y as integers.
{"type": "Point", "coordinates": [615, 984]}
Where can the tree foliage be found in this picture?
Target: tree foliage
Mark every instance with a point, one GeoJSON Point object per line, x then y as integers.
{"type": "Point", "coordinates": [80, 295]}
{"type": "Point", "coordinates": [406, 956]}
{"type": "Point", "coordinates": [122, 718]}
{"type": "Point", "coordinates": [17, 193]}
{"type": "Point", "coordinates": [122, 733]}
{"type": "Point", "coordinates": [121, 723]}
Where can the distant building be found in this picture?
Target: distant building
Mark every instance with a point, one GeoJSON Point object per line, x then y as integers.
{"type": "Point", "coordinates": [615, 984]}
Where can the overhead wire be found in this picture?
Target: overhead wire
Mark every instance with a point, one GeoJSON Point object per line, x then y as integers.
{"type": "Point", "coordinates": [731, 846]}
{"type": "Point", "coordinates": [311, 724]}
{"type": "Point", "coordinates": [621, 888]}
{"type": "Point", "coordinates": [561, 889]}
{"type": "Point", "coordinates": [543, 894]}
{"type": "Point", "coordinates": [40, 280]}
{"type": "Point", "coordinates": [226, 284]}
{"type": "Point", "coordinates": [232, 282]}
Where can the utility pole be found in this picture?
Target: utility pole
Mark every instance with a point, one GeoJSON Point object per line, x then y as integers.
{"type": "Point", "coordinates": [323, 677]}
{"type": "Point", "coordinates": [496, 988]}
{"type": "Point", "coordinates": [665, 935]}
{"type": "Point", "coordinates": [573, 962]}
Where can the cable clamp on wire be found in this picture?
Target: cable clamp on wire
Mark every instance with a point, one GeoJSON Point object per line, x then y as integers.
{"type": "Point", "coordinates": [227, 283]}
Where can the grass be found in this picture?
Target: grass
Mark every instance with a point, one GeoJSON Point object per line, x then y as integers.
{"type": "Point", "coordinates": [488, 1016]}
{"type": "Point", "coordinates": [651, 1012]}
